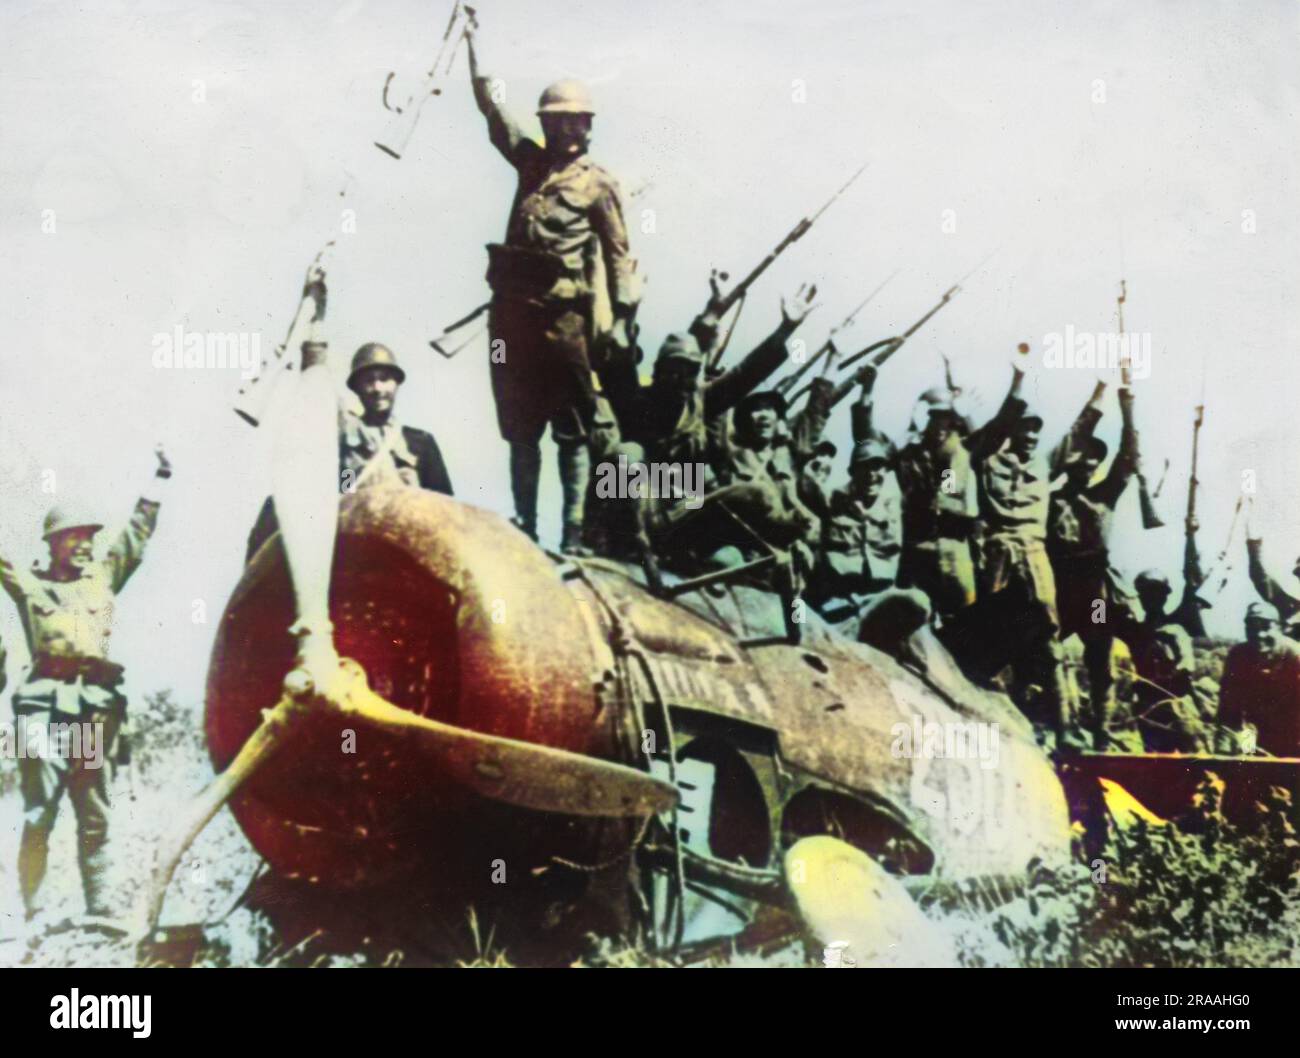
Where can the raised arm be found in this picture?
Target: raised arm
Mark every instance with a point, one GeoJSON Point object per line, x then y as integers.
{"type": "Point", "coordinates": [1082, 429]}
{"type": "Point", "coordinates": [724, 392]}
{"type": "Point", "coordinates": [986, 440]}
{"type": "Point", "coordinates": [506, 136]}
{"type": "Point", "coordinates": [128, 549]}
{"type": "Point", "coordinates": [1125, 463]}
{"type": "Point", "coordinates": [1269, 589]}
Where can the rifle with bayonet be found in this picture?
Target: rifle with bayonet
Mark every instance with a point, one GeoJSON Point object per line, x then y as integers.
{"type": "Point", "coordinates": [397, 135]}
{"type": "Point", "coordinates": [828, 347]}
{"type": "Point", "coordinates": [887, 347]}
{"type": "Point", "coordinates": [1150, 517]}
{"type": "Point", "coordinates": [720, 304]}
{"type": "Point", "coordinates": [1188, 611]}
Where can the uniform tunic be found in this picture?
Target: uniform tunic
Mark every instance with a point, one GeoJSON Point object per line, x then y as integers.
{"type": "Point", "coordinates": [565, 254]}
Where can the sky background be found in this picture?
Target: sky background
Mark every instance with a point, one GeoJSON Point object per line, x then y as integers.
{"type": "Point", "coordinates": [1083, 141]}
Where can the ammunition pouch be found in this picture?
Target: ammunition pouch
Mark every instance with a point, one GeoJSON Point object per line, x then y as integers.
{"type": "Point", "coordinates": [96, 671]}
{"type": "Point", "coordinates": [520, 273]}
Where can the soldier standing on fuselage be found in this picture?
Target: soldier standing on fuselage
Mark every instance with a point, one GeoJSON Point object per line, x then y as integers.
{"type": "Point", "coordinates": [67, 614]}
{"type": "Point", "coordinates": [565, 249]}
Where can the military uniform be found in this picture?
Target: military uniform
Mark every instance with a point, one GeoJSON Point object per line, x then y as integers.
{"type": "Point", "coordinates": [565, 256]}
{"type": "Point", "coordinates": [71, 680]}
{"type": "Point", "coordinates": [1017, 587]}
{"type": "Point", "coordinates": [1078, 532]}
{"type": "Point", "coordinates": [1288, 605]}
{"type": "Point", "coordinates": [1168, 717]}
{"type": "Point", "coordinates": [385, 453]}
{"type": "Point", "coordinates": [940, 510]}
{"type": "Point", "coordinates": [671, 428]}
{"type": "Point", "coordinates": [1263, 689]}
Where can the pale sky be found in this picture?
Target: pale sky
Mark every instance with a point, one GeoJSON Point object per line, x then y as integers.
{"type": "Point", "coordinates": [191, 153]}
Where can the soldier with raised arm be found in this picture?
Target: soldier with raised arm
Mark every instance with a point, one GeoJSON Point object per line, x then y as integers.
{"type": "Point", "coordinates": [67, 615]}
{"type": "Point", "coordinates": [563, 275]}
{"type": "Point", "coordinates": [1270, 590]}
{"type": "Point", "coordinates": [1090, 595]}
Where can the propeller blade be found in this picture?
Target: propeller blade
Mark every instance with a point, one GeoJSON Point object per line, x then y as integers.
{"type": "Point", "coordinates": [305, 487]}
{"type": "Point", "coordinates": [855, 908]}
{"type": "Point", "coordinates": [277, 723]}
{"type": "Point", "coordinates": [520, 773]}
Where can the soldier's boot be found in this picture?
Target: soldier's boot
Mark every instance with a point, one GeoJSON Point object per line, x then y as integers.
{"type": "Point", "coordinates": [525, 470]}
{"type": "Point", "coordinates": [575, 477]}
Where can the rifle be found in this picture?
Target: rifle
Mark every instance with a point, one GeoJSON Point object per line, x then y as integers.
{"type": "Point", "coordinates": [1188, 612]}
{"type": "Point", "coordinates": [897, 342]}
{"type": "Point", "coordinates": [400, 128]}
{"type": "Point", "coordinates": [254, 396]}
{"type": "Point", "coordinates": [828, 346]}
{"type": "Point", "coordinates": [719, 304]}
{"type": "Point", "coordinates": [1150, 516]}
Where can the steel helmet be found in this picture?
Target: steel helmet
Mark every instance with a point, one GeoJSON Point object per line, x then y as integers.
{"type": "Point", "coordinates": [936, 399]}
{"type": "Point", "coordinates": [565, 97]}
{"type": "Point", "coordinates": [62, 518]}
{"type": "Point", "coordinates": [1151, 578]}
{"type": "Point", "coordinates": [371, 355]}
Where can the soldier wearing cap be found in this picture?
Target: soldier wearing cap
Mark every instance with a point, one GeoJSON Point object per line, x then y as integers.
{"type": "Point", "coordinates": [374, 447]}
{"type": "Point", "coordinates": [1270, 590]}
{"type": "Point", "coordinates": [1259, 694]}
{"type": "Point", "coordinates": [1091, 596]}
{"type": "Point", "coordinates": [1168, 717]}
{"type": "Point", "coordinates": [676, 419]}
{"type": "Point", "coordinates": [67, 615]}
{"type": "Point", "coordinates": [862, 534]}
{"type": "Point", "coordinates": [1017, 587]}
{"type": "Point", "coordinates": [562, 283]}
{"type": "Point", "coordinates": [940, 506]}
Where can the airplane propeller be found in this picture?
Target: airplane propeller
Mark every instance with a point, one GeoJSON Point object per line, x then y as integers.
{"type": "Point", "coordinates": [306, 496]}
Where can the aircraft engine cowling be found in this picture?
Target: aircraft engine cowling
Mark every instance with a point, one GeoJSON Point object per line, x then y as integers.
{"type": "Point", "coordinates": [453, 614]}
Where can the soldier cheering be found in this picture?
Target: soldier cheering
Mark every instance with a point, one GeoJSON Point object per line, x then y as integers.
{"type": "Point", "coordinates": [67, 613]}
{"type": "Point", "coordinates": [1272, 592]}
{"type": "Point", "coordinates": [563, 267]}
{"type": "Point", "coordinates": [1078, 533]}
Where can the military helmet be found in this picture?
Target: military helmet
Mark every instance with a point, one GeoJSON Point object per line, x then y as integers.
{"type": "Point", "coordinates": [1152, 578]}
{"type": "Point", "coordinates": [62, 518]}
{"type": "Point", "coordinates": [876, 448]}
{"type": "Point", "coordinates": [372, 354]}
{"type": "Point", "coordinates": [565, 97]}
{"type": "Point", "coordinates": [937, 399]}
{"type": "Point", "coordinates": [680, 346]}
{"type": "Point", "coordinates": [1263, 611]}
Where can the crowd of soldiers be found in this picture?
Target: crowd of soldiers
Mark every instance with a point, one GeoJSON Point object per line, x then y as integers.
{"type": "Point", "coordinates": [980, 532]}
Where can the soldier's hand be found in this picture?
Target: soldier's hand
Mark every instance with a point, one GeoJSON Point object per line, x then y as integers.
{"type": "Point", "coordinates": [795, 310]}
{"type": "Point", "coordinates": [164, 464]}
